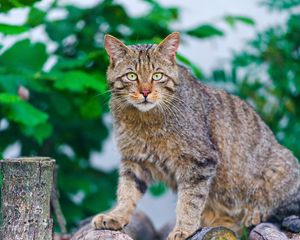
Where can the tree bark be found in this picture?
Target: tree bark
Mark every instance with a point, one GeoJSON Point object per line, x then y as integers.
{"type": "Point", "coordinates": [25, 198]}
{"type": "Point", "coordinates": [267, 231]}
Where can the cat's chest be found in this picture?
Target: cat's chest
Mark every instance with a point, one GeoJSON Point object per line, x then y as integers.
{"type": "Point", "coordinates": [151, 144]}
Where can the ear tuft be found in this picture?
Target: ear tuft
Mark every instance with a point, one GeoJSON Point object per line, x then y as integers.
{"type": "Point", "coordinates": [169, 45]}
{"type": "Point", "coordinates": [114, 47]}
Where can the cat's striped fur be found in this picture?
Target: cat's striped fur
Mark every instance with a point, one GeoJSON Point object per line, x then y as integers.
{"type": "Point", "coordinates": [209, 146]}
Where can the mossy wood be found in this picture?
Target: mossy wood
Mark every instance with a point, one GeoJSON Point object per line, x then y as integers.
{"type": "Point", "coordinates": [25, 198]}
{"type": "Point", "coordinates": [217, 233]}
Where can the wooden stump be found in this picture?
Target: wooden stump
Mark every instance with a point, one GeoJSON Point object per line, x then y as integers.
{"type": "Point", "coordinates": [25, 198]}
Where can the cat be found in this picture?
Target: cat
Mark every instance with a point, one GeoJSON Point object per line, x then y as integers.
{"type": "Point", "coordinates": [209, 146]}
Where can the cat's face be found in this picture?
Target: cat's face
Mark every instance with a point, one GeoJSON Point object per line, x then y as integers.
{"type": "Point", "coordinates": [144, 76]}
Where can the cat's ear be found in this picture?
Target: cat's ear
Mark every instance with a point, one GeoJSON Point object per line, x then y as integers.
{"type": "Point", "coordinates": [169, 45]}
{"type": "Point", "coordinates": [114, 47]}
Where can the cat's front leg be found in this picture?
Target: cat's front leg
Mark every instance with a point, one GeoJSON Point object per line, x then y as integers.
{"type": "Point", "coordinates": [133, 181]}
{"type": "Point", "coordinates": [193, 190]}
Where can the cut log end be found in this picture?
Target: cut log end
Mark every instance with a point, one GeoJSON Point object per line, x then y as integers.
{"type": "Point", "coordinates": [208, 233]}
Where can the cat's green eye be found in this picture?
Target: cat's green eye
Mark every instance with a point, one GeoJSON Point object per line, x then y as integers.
{"type": "Point", "coordinates": [131, 76]}
{"type": "Point", "coordinates": [157, 76]}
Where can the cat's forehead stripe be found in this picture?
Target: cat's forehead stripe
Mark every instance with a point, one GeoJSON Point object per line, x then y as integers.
{"type": "Point", "coordinates": [141, 47]}
{"type": "Point", "coordinates": [144, 55]}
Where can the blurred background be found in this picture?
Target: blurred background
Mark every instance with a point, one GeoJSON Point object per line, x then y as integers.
{"type": "Point", "coordinates": [53, 91]}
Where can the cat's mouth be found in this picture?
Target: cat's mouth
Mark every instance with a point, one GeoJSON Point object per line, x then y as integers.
{"type": "Point", "coordinates": [145, 102]}
{"type": "Point", "coordinates": [145, 105]}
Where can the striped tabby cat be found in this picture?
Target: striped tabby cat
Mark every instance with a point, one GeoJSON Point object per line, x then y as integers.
{"type": "Point", "coordinates": [209, 146]}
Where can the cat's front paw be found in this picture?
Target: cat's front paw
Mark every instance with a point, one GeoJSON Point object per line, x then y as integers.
{"type": "Point", "coordinates": [108, 221]}
{"type": "Point", "coordinates": [253, 216]}
{"type": "Point", "coordinates": [178, 234]}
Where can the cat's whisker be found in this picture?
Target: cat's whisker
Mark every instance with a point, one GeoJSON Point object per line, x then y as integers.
{"type": "Point", "coordinates": [122, 102]}
{"type": "Point", "coordinates": [170, 111]}
{"type": "Point", "coordinates": [165, 111]}
{"type": "Point", "coordinates": [103, 93]}
{"type": "Point", "coordinates": [161, 110]}
{"type": "Point", "coordinates": [176, 99]}
{"type": "Point", "coordinates": [170, 104]}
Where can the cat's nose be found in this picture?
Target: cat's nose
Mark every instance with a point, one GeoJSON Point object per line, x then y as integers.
{"type": "Point", "coordinates": [145, 92]}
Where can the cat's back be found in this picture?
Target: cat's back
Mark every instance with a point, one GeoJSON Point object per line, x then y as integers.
{"type": "Point", "coordinates": [240, 136]}
{"type": "Point", "coordinates": [230, 120]}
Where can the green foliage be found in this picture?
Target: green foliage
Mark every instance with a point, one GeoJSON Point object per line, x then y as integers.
{"type": "Point", "coordinates": [10, 4]}
{"type": "Point", "coordinates": [233, 20]}
{"type": "Point", "coordinates": [35, 17]}
{"type": "Point", "coordinates": [158, 189]}
{"type": "Point", "coordinates": [281, 4]}
{"type": "Point", "coordinates": [8, 29]}
{"type": "Point", "coordinates": [17, 58]}
{"type": "Point", "coordinates": [267, 74]}
{"type": "Point", "coordinates": [205, 31]}
{"type": "Point", "coordinates": [245, 234]}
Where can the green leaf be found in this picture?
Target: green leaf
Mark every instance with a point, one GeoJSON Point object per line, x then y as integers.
{"type": "Point", "coordinates": [11, 82]}
{"type": "Point", "coordinates": [91, 108]}
{"type": "Point", "coordinates": [233, 20]}
{"type": "Point", "coordinates": [39, 132]}
{"type": "Point", "coordinates": [24, 56]}
{"type": "Point", "coordinates": [114, 14]}
{"type": "Point", "coordinates": [70, 64]}
{"type": "Point", "coordinates": [6, 5]}
{"type": "Point", "coordinates": [25, 114]}
{"type": "Point", "coordinates": [158, 189]}
{"type": "Point", "coordinates": [72, 212]}
{"type": "Point", "coordinates": [8, 29]}
{"type": "Point", "coordinates": [35, 17]}
{"type": "Point", "coordinates": [77, 81]}
{"type": "Point", "coordinates": [205, 31]}
{"type": "Point", "coordinates": [64, 107]}
{"type": "Point", "coordinates": [97, 203]}
{"type": "Point", "coordinates": [59, 30]}
{"type": "Point", "coordinates": [6, 98]}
